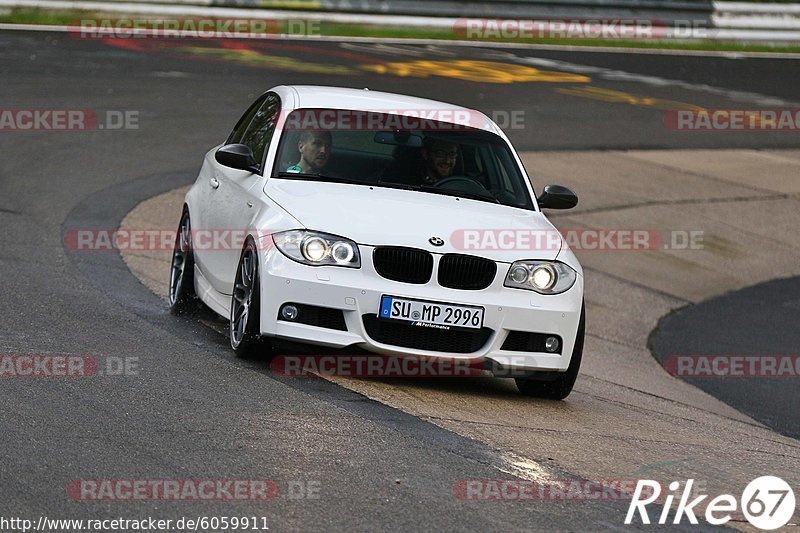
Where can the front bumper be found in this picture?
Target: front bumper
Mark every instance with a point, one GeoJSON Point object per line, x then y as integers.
{"type": "Point", "coordinates": [357, 292]}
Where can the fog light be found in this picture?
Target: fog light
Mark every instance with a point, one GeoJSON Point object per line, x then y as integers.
{"type": "Point", "coordinates": [289, 312]}
{"type": "Point", "coordinates": [551, 344]}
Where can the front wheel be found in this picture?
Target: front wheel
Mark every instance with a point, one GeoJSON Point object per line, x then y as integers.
{"type": "Point", "coordinates": [559, 387]}
{"type": "Point", "coordinates": [244, 330]}
{"type": "Point", "coordinates": [182, 298]}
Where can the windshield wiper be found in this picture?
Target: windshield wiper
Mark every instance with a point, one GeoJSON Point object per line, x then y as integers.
{"type": "Point", "coordinates": [315, 176]}
{"type": "Point", "coordinates": [458, 194]}
{"type": "Point", "coordinates": [395, 185]}
{"type": "Point", "coordinates": [438, 190]}
{"type": "Point", "coordinates": [311, 176]}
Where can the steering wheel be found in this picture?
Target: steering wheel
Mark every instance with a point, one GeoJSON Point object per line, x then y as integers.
{"type": "Point", "coordinates": [471, 184]}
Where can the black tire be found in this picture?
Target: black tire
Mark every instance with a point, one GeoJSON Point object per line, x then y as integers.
{"type": "Point", "coordinates": [182, 297]}
{"type": "Point", "coordinates": [561, 384]}
{"type": "Point", "coordinates": [244, 328]}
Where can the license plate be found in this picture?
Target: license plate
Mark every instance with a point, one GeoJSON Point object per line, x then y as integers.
{"type": "Point", "coordinates": [431, 314]}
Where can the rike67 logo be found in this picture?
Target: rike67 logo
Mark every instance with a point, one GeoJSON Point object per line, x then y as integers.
{"type": "Point", "coordinates": [767, 502]}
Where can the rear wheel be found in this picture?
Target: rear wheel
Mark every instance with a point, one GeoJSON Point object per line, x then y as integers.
{"type": "Point", "coordinates": [182, 298]}
{"type": "Point", "coordinates": [244, 330]}
{"type": "Point", "coordinates": [561, 385]}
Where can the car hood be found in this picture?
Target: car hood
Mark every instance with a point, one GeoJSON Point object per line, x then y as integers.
{"type": "Point", "coordinates": [394, 217]}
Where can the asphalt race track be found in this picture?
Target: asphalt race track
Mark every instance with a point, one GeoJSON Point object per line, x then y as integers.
{"type": "Point", "coordinates": [754, 322]}
{"type": "Point", "coordinates": [190, 409]}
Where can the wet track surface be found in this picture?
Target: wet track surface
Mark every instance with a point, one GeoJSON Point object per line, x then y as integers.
{"type": "Point", "coordinates": [195, 411]}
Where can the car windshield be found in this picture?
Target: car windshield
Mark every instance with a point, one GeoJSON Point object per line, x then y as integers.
{"type": "Point", "coordinates": [400, 151]}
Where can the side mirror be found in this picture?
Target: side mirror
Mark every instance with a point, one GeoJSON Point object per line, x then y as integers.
{"type": "Point", "coordinates": [557, 197]}
{"type": "Point", "coordinates": [238, 156]}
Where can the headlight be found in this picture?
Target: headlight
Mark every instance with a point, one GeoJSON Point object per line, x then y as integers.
{"type": "Point", "coordinates": [317, 249]}
{"type": "Point", "coordinates": [544, 277]}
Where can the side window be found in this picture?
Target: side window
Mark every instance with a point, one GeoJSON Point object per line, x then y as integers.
{"type": "Point", "coordinates": [238, 130]}
{"type": "Point", "coordinates": [259, 133]}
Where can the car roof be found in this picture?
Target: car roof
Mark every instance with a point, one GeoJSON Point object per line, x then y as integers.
{"type": "Point", "coordinates": [321, 97]}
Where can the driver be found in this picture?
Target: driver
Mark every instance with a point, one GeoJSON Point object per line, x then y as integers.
{"type": "Point", "coordinates": [440, 160]}
{"type": "Point", "coordinates": [315, 150]}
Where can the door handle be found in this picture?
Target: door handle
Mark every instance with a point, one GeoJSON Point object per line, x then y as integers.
{"type": "Point", "coordinates": [214, 183]}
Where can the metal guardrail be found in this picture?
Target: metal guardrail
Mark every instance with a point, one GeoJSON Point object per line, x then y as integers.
{"type": "Point", "coordinates": [666, 10]}
{"type": "Point", "coordinates": [707, 19]}
{"type": "Point", "coordinates": [744, 21]}
{"type": "Point", "coordinates": [746, 15]}
{"type": "Point", "coordinates": [726, 16]}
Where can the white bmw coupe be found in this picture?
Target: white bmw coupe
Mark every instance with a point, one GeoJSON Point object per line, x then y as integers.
{"type": "Point", "coordinates": [394, 224]}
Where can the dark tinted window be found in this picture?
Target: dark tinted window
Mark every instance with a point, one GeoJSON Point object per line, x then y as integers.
{"type": "Point", "coordinates": [259, 133]}
{"type": "Point", "coordinates": [238, 130]}
{"type": "Point", "coordinates": [402, 151]}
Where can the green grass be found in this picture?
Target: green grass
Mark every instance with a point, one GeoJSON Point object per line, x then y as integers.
{"type": "Point", "coordinates": [40, 16]}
